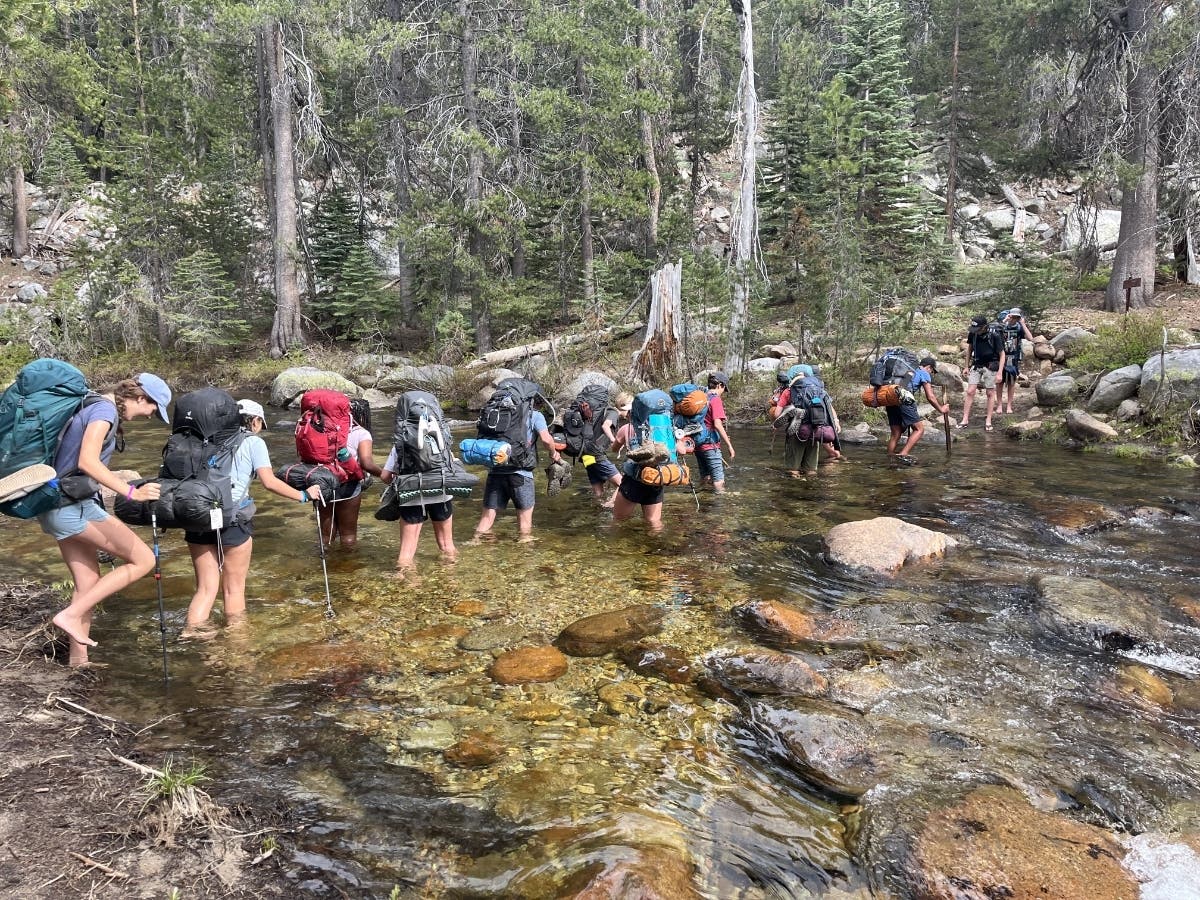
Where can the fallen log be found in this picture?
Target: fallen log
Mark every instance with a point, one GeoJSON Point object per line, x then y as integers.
{"type": "Point", "coordinates": [604, 336]}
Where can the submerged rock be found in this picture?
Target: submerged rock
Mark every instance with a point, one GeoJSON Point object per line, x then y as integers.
{"type": "Point", "coordinates": [1080, 517]}
{"type": "Point", "coordinates": [766, 672]}
{"type": "Point", "coordinates": [774, 619]}
{"type": "Point", "coordinates": [475, 750]}
{"type": "Point", "coordinates": [529, 665]}
{"type": "Point", "coordinates": [660, 661]}
{"type": "Point", "coordinates": [1111, 617]}
{"type": "Point", "coordinates": [645, 873]}
{"type": "Point", "coordinates": [993, 844]}
{"type": "Point", "coordinates": [884, 544]}
{"type": "Point", "coordinates": [492, 637]}
{"type": "Point", "coordinates": [605, 632]}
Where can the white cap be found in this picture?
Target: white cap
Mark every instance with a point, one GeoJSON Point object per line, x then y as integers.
{"type": "Point", "coordinates": [250, 408]}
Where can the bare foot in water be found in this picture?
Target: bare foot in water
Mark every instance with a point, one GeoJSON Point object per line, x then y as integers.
{"type": "Point", "coordinates": [73, 627]}
{"type": "Point", "coordinates": [526, 539]}
{"type": "Point", "coordinates": [450, 555]}
{"type": "Point", "coordinates": [201, 631]}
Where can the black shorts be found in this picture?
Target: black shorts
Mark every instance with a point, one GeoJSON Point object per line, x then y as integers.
{"type": "Point", "coordinates": [228, 537]}
{"type": "Point", "coordinates": [904, 416]}
{"type": "Point", "coordinates": [642, 494]}
{"type": "Point", "coordinates": [415, 514]}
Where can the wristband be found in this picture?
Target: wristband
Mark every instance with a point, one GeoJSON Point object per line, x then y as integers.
{"type": "Point", "coordinates": [129, 493]}
{"type": "Point", "coordinates": [303, 497]}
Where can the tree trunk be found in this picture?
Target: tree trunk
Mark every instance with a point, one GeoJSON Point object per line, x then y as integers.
{"type": "Point", "coordinates": [469, 60]}
{"type": "Point", "coordinates": [265, 138]}
{"type": "Point", "coordinates": [952, 134]}
{"type": "Point", "coordinates": [1193, 258]}
{"type": "Point", "coordinates": [1137, 241]}
{"type": "Point", "coordinates": [287, 330]}
{"type": "Point", "coordinates": [587, 252]}
{"type": "Point", "coordinates": [745, 226]}
{"type": "Point", "coordinates": [647, 128]}
{"type": "Point", "coordinates": [661, 353]}
{"type": "Point", "coordinates": [20, 214]}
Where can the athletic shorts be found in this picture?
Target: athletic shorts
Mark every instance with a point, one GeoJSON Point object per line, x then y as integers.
{"type": "Point", "coordinates": [228, 537]}
{"type": "Point", "coordinates": [415, 514]}
{"type": "Point", "coordinates": [70, 520]}
{"type": "Point", "coordinates": [904, 416]}
{"type": "Point", "coordinates": [642, 494]}
{"type": "Point", "coordinates": [600, 471]}
{"type": "Point", "coordinates": [982, 375]}
{"type": "Point", "coordinates": [501, 487]}
{"type": "Point", "coordinates": [710, 463]}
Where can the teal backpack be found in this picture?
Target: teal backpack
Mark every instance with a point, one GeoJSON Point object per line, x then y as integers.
{"type": "Point", "coordinates": [34, 412]}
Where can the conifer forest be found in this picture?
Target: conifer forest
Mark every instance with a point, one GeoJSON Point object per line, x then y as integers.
{"type": "Point", "coordinates": [453, 175]}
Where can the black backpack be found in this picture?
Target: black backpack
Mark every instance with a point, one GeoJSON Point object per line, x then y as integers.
{"type": "Point", "coordinates": [507, 417]}
{"type": "Point", "coordinates": [986, 343]}
{"type": "Point", "coordinates": [808, 397]}
{"type": "Point", "coordinates": [583, 422]}
{"type": "Point", "coordinates": [421, 436]}
{"type": "Point", "coordinates": [895, 366]}
{"type": "Point", "coordinates": [206, 432]}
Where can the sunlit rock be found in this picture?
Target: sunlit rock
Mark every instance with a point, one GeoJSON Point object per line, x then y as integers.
{"type": "Point", "coordinates": [1074, 517]}
{"type": "Point", "coordinates": [1025, 429]}
{"type": "Point", "coordinates": [291, 383]}
{"type": "Point", "coordinates": [1114, 388]}
{"type": "Point", "coordinates": [1071, 341]}
{"type": "Point", "coordinates": [766, 672]}
{"type": "Point", "coordinates": [1140, 682]}
{"type": "Point", "coordinates": [659, 661]}
{"type": "Point", "coordinates": [1084, 427]}
{"type": "Point", "coordinates": [780, 622]}
{"type": "Point", "coordinates": [605, 632]}
{"type": "Point", "coordinates": [994, 844]}
{"type": "Point", "coordinates": [528, 665]}
{"type": "Point", "coordinates": [1056, 390]}
{"type": "Point", "coordinates": [622, 697]}
{"type": "Point", "coordinates": [884, 544]}
{"type": "Point", "coordinates": [1182, 369]}
{"type": "Point", "coordinates": [475, 750]}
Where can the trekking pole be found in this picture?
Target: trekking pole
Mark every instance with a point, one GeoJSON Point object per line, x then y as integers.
{"type": "Point", "coordinates": [329, 613]}
{"type": "Point", "coordinates": [162, 616]}
{"type": "Point", "coordinates": [946, 420]}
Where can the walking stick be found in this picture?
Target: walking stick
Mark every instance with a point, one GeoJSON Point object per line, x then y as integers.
{"type": "Point", "coordinates": [329, 613]}
{"type": "Point", "coordinates": [946, 420]}
{"type": "Point", "coordinates": [162, 617]}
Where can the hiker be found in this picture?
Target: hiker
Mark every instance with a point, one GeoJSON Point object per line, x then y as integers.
{"type": "Point", "coordinates": [806, 410]}
{"type": "Point", "coordinates": [421, 446]}
{"type": "Point", "coordinates": [985, 365]}
{"type": "Point", "coordinates": [589, 426]}
{"type": "Point", "coordinates": [651, 461]}
{"type": "Point", "coordinates": [221, 557]}
{"type": "Point", "coordinates": [509, 416]}
{"type": "Point", "coordinates": [80, 524]}
{"type": "Point", "coordinates": [624, 404]}
{"type": "Point", "coordinates": [708, 450]}
{"type": "Point", "coordinates": [904, 416]}
{"type": "Point", "coordinates": [322, 438]}
{"type": "Point", "coordinates": [1014, 328]}
{"type": "Point", "coordinates": [340, 518]}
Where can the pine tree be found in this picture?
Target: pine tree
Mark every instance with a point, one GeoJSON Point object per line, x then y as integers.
{"type": "Point", "coordinates": [358, 305]}
{"type": "Point", "coordinates": [203, 307]}
{"type": "Point", "coordinates": [60, 168]}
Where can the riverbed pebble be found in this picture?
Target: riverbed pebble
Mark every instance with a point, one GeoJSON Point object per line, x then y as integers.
{"type": "Point", "coordinates": [605, 632]}
{"type": "Point", "coordinates": [527, 665]}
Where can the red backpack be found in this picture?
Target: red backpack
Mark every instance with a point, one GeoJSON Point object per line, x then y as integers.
{"type": "Point", "coordinates": [322, 431]}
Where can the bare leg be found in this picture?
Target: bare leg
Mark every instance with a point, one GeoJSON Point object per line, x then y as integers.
{"type": "Point", "coordinates": [443, 532]}
{"type": "Point", "coordinates": [1012, 389]}
{"type": "Point", "coordinates": [918, 430]}
{"type": "Point", "coordinates": [893, 439]}
{"type": "Point", "coordinates": [652, 514]}
{"type": "Point", "coordinates": [233, 581]}
{"type": "Point", "coordinates": [328, 526]}
{"type": "Point", "coordinates": [345, 515]}
{"type": "Point", "coordinates": [486, 520]}
{"type": "Point", "coordinates": [525, 525]}
{"type": "Point", "coordinates": [968, 402]}
{"type": "Point", "coordinates": [116, 538]}
{"type": "Point", "coordinates": [85, 571]}
{"type": "Point", "coordinates": [623, 508]}
{"type": "Point", "coordinates": [409, 537]}
{"type": "Point", "coordinates": [615, 481]}
{"type": "Point", "coordinates": [991, 404]}
{"type": "Point", "coordinates": [206, 564]}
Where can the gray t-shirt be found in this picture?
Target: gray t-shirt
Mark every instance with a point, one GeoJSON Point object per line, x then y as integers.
{"type": "Point", "coordinates": [66, 458]}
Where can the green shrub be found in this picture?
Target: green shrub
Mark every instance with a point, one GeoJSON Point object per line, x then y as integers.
{"type": "Point", "coordinates": [1129, 343]}
{"type": "Point", "coordinates": [1092, 281]}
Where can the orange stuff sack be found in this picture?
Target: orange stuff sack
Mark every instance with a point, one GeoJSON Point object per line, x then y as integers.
{"type": "Point", "coordinates": [693, 404]}
{"type": "Point", "coordinates": [875, 397]}
{"type": "Point", "coordinates": [666, 475]}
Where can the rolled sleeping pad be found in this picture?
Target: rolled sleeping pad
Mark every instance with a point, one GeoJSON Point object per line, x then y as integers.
{"type": "Point", "coordinates": [302, 476]}
{"type": "Point", "coordinates": [485, 452]}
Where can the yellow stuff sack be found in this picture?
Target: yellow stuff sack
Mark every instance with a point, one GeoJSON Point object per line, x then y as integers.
{"type": "Point", "coordinates": [666, 475]}
{"type": "Point", "coordinates": [888, 395]}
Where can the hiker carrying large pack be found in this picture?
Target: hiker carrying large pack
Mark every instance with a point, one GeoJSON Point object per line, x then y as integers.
{"type": "Point", "coordinates": [508, 416]}
{"type": "Point", "coordinates": [889, 378]}
{"type": "Point", "coordinates": [583, 423]}
{"type": "Point", "coordinates": [689, 411]}
{"type": "Point", "coordinates": [322, 431]}
{"type": "Point", "coordinates": [196, 476]}
{"type": "Point", "coordinates": [424, 465]}
{"type": "Point", "coordinates": [985, 343]}
{"type": "Point", "coordinates": [34, 414]}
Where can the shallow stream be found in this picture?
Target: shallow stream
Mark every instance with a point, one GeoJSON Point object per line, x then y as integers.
{"type": "Point", "coordinates": [350, 723]}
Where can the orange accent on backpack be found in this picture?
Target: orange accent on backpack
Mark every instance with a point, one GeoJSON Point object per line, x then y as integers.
{"type": "Point", "coordinates": [666, 475]}
{"type": "Point", "coordinates": [692, 404]}
{"type": "Point", "coordinates": [887, 395]}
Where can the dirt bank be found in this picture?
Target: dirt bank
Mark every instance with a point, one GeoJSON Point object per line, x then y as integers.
{"type": "Point", "coordinates": [76, 820]}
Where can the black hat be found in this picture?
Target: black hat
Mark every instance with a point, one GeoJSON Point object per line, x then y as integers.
{"type": "Point", "coordinates": [979, 321]}
{"type": "Point", "coordinates": [931, 362]}
{"type": "Point", "coordinates": [719, 378]}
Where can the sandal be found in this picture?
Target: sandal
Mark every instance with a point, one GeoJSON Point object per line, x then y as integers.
{"type": "Point", "coordinates": [988, 427]}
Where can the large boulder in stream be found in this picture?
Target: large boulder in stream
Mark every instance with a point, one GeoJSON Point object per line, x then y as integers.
{"type": "Point", "coordinates": [605, 632]}
{"type": "Point", "coordinates": [1114, 388]}
{"type": "Point", "coordinates": [994, 844]}
{"type": "Point", "coordinates": [291, 383]}
{"type": "Point", "coordinates": [766, 672]}
{"type": "Point", "coordinates": [1056, 390]}
{"type": "Point", "coordinates": [884, 544]}
{"type": "Point", "coordinates": [1099, 612]}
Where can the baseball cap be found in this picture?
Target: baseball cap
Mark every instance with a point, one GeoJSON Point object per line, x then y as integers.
{"type": "Point", "coordinates": [979, 321]}
{"type": "Point", "coordinates": [156, 389]}
{"type": "Point", "coordinates": [719, 378]}
{"type": "Point", "coordinates": [250, 408]}
{"type": "Point", "coordinates": [1015, 311]}
{"type": "Point", "coordinates": [930, 361]}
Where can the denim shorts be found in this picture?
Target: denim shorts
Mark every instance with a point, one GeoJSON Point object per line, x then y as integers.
{"type": "Point", "coordinates": [70, 520]}
{"type": "Point", "coordinates": [415, 513]}
{"type": "Point", "coordinates": [501, 487]}
{"type": "Point", "coordinates": [710, 463]}
{"type": "Point", "coordinates": [600, 471]}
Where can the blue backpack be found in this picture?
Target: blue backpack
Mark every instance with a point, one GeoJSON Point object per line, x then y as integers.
{"type": "Point", "coordinates": [691, 423]}
{"type": "Point", "coordinates": [34, 412]}
{"type": "Point", "coordinates": [651, 420]}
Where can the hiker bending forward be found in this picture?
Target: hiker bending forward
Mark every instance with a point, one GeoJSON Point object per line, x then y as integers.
{"type": "Point", "coordinates": [81, 526]}
{"type": "Point", "coordinates": [905, 416]}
